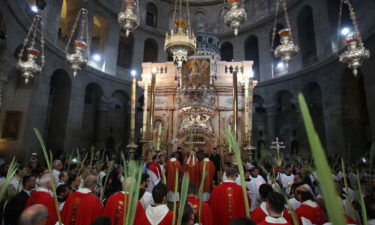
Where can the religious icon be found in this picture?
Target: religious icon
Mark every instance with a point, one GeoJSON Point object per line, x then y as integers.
{"type": "Point", "coordinates": [12, 124]}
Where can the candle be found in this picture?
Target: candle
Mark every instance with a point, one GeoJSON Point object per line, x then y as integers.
{"type": "Point", "coordinates": [159, 136]}
{"type": "Point", "coordinates": [132, 115]}
{"type": "Point", "coordinates": [246, 107]}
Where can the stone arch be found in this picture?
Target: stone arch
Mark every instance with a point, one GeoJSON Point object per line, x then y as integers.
{"type": "Point", "coordinates": [355, 114]}
{"type": "Point", "coordinates": [226, 51]}
{"type": "Point", "coordinates": [306, 35]}
{"type": "Point", "coordinates": [252, 53]}
{"type": "Point", "coordinates": [150, 51]}
{"type": "Point", "coordinates": [119, 117]}
{"type": "Point", "coordinates": [151, 15]}
{"type": "Point", "coordinates": [69, 11]}
{"type": "Point", "coordinates": [284, 100]}
{"type": "Point", "coordinates": [93, 116]}
{"type": "Point", "coordinates": [58, 109]}
{"type": "Point", "coordinates": [99, 34]}
{"type": "Point", "coordinates": [125, 50]}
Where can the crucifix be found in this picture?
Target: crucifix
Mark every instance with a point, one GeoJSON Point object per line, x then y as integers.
{"type": "Point", "coordinates": [277, 145]}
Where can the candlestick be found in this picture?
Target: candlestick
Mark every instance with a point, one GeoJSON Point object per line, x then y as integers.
{"type": "Point", "coordinates": [246, 108]}
{"type": "Point", "coordinates": [145, 106]}
{"type": "Point", "coordinates": [159, 139]}
{"type": "Point", "coordinates": [152, 110]}
{"type": "Point", "coordinates": [132, 146]}
{"type": "Point", "coordinates": [235, 104]}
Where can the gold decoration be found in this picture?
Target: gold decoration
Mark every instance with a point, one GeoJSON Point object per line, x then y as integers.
{"type": "Point", "coordinates": [180, 43]}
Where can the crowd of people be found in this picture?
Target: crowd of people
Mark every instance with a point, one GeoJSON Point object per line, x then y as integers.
{"type": "Point", "coordinates": [92, 192]}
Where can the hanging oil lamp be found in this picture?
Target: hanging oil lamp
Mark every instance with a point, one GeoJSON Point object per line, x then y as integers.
{"type": "Point", "coordinates": [31, 66]}
{"type": "Point", "coordinates": [235, 16]}
{"type": "Point", "coordinates": [356, 53]}
{"type": "Point", "coordinates": [79, 58]}
{"type": "Point", "coordinates": [286, 49]}
{"type": "Point", "coordinates": [180, 43]}
{"type": "Point", "coordinates": [128, 17]}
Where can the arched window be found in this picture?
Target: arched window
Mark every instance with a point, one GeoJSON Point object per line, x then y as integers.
{"type": "Point", "coordinates": [199, 21]}
{"type": "Point", "coordinates": [226, 52]}
{"type": "Point", "coordinates": [252, 53]}
{"type": "Point", "coordinates": [125, 51]}
{"type": "Point", "coordinates": [99, 39]}
{"type": "Point", "coordinates": [333, 7]}
{"type": "Point", "coordinates": [150, 51]}
{"type": "Point", "coordinates": [151, 15]}
{"type": "Point", "coordinates": [306, 35]}
{"type": "Point", "coordinates": [69, 11]}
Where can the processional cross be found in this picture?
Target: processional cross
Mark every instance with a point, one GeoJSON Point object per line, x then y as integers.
{"type": "Point", "coordinates": [277, 145]}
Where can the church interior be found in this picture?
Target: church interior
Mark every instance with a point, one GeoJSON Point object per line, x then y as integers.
{"type": "Point", "coordinates": [154, 74]}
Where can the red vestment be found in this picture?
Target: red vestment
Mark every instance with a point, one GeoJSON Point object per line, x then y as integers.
{"type": "Point", "coordinates": [162, 214]}
{"type": "Point", "coordinates": [210, 171]}
{"type": "Point", "coordinates": [227, 203]}
{"type": "Point", "coordinates": [46, 199]}
{"type": "Point", "coordinates": [192, 168]}
{"type": "Point", "coordinates": [172, 167]}
{"type": "Point", "coordinates": [156, 169]}
{"type": "Point", "coordinates": [81, 208]}
{"type": "Point", "coordinates": [260, 213]}
{"type": "Point", "coordinates": [275, 221]}
{"type": "Point", "coordinates": [114, 208]}
{"type": "Point", "coordinates": [310, 210]}
{"type": "Point", "coordinates": [207, 217]}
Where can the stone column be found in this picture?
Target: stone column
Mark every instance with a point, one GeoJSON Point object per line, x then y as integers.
{"type": "Point", "coordinates": [52, 19]}
{"type": "Point", "coordinates": [265, 59]}
{"type": "Point", "coordinates": [111, 50]}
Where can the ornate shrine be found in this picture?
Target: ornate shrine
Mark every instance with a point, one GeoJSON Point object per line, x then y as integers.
{"type": "Point", "coordinates": [194, 107]}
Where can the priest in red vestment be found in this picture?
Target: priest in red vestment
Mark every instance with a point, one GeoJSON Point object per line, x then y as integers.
{"type": "Point", "coordinates": [82, 207]}
{"type": "Point", "coordinates": [192, 168]}
{"type": "Point", "coordinates": [209, 180]}
{"type": "Point", "coordinates": [43, 195]}
{"type": "Point", "coordinates": [206, 213]}
{"type": "Point", "coordinates": [114, 207]}
{"type": "Point", "coordinates": [227, 201]}
{"type": "Point", "coordinates": [309, 212]}
{"type": "Point", "coordinates": [275, 208]}
{"type": "Point", "coordinates": [173, 166]}
{"type": "Point", "coordinates": [260, 213]}
{"type": "Point", "coordinates": [154, 172]}
{"type": "Point", "coordinates": [158, 213]}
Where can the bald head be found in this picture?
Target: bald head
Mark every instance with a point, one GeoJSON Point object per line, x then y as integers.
{"type": "Point", "coordinates": [90, 182]}
{"type": "Point", "coordinates": [34, 215]}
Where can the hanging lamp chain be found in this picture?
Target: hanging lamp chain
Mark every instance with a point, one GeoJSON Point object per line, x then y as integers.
{"type": "Point", "coordinates": [287, 20]}
{"type": "Point", "coordinates": [274, 26]}
{"type": "Point", "coordinates": [339, 27]}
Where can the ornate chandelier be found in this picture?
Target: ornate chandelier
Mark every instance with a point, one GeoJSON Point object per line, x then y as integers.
{"type": "Point", "coordinates": [180, 43]}
{"type": "Point", "coordinates": [128, 17]}
{"type": "Point", "coordinates": [235, 16]}
{"type": "Point", "coordinates": [79, 58]}
{"type": "Point", "coordinates": [356, 52]}
{"type": "Point", "coordinates": [31, 67]}
{"type": "Point", "coordinates": [286, 50]}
